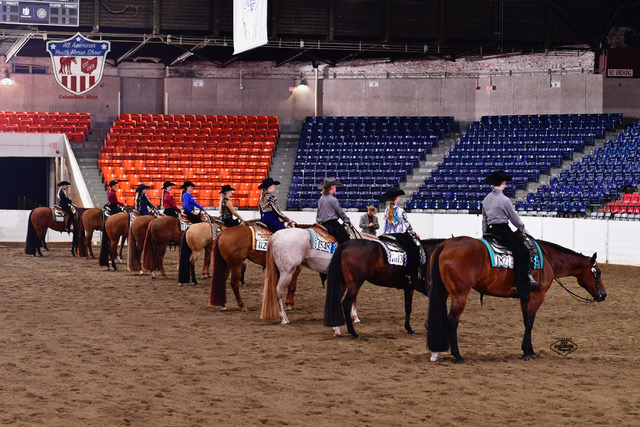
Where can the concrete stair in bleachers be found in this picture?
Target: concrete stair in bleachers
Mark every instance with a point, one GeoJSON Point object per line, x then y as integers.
{"type": "Point", "coordinates": [284, 158]}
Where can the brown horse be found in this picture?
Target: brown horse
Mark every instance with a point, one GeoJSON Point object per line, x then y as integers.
{"type": "Point", "coordinates": [232, 247]}
{"type": "Point", "coordinates": [92, 220]}
{"type": "Point", "coordinates": [160, 233]}
{"type": "Point", "coordinates": [41, 219]}
{"type": "Point", "coordinates": [358, 260]}
{"type": "Point", "coordinates": [463, 263]}
{"type": "Point", "coordinates": [114, 228]}
{"type": "Point", "coordinates": [197, 237]}
{"type": "Point", "coordinates": [137, 234]}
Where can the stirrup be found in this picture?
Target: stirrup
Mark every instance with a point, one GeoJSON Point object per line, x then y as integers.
{"type": "Point", "coordinates": [532, 283]}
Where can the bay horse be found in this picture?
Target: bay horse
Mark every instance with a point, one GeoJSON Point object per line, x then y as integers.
{"type": "Point", "coordinates": [40, 220]}
{"type": "Point", "coordinates": [197, 238]}
{"type": "Point", "coordinates": [136, 237]}
{"type": "Point", "coordinates": [92, 220]}
{"type": "Point", "coordinates": [462, 263]}
{"type": "Point", "coordinates": [232, 247]}
{"type": "Point", "coordinates": [160, 233]}
{"type": "Point", "coordinates": [115, 227]}
{"type": "Point", "coordinates": [358, 260]}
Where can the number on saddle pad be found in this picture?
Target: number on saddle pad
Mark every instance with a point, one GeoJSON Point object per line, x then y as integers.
{"type": "Point", "coordinates": [502, 257]}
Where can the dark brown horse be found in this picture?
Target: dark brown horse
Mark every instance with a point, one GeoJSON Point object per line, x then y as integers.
{"type": "Point", "coordinates": [462, 263]}
{"type": "Point", "coordinates": [92, 220]}
{"type": "Point", "coordinates": [358, 260]}
{"type": "Point", "coordinates": [41, 219]}
{"type": "Point", "coordinates": [232, 247]}
{"type": "Point", "coordinates": [137, 234]}
{"type": "Point", "coordinates": [197, 238]}
{"type": "Point", "coordinates": [114, 228]}
{"type": "Point", "coordinates": [160, 233]}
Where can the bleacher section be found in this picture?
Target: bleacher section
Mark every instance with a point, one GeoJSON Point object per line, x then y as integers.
{"type": "Point", "coordinates": [76, 125]}
{"type": "Point", "coordinates": [595, 180]}
{"type": "Point", "coordinates": [367, 154]}
{"type": "Point", "coordinates": [208, 150]}
{"type": "Point", "coordinates": [524, 146]}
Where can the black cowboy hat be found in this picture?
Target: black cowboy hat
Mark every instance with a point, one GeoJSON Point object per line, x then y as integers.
{"type": "Point", "coordinates": [391, 194]}
{"type": "Point", "coordinates": [167, 184]}
{"type": "Point", "coordinates": [268, 182]}
{"type": "Point", "coordinates": [497, 177]}
{"type": "Point", "coordinates": [141, 187]}
{"type": "Point", "coordinates": [226, 188]}
{"type": "Point", "coordinates": [188, 184]}
{"type": "Point", "coordinates": [328, 182]}
{"type": "Point", "coordinates": [63, 183]}
{"type": "Point", "coordinates": [112, 183]}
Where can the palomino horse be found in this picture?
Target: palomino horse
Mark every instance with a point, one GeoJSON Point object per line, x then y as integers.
{"type": "Point", "coordinates": [232, 247]}
{"type": "Point", "coordinates": [197, 237]}
{"type": "Point", "coordinates": [41, 219]}
{"type": "Point", "coordinates": [137, 235]}
{"type": "Point", "coordinates": [358, 260]}
{"type": "Point", "coordinates": [114, 228]}
{"type": "Point", "coordinates": [462, 263]}
{"type": "Point", "coordinates": [160, 233]}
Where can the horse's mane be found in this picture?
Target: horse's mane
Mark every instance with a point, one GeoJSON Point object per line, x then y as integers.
{"type": "Point", "coordinates": [560, 248]}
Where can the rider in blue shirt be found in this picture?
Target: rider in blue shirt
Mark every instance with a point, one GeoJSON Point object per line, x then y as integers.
{"type": "Point", "coordinates": [189, 203]}
{"type": "Point", "coordinates": [142, 201]}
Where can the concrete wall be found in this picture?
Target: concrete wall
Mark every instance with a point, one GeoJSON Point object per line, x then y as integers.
{"type": "Point", "coordinates": [621, 95]}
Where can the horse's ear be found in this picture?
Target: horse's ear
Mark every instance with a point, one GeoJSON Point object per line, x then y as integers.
{"type": "Point", "coordinates": [593, 257]}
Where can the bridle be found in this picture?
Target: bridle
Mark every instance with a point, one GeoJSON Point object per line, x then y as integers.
{"type": "Point", "coordinates": [579, 298]}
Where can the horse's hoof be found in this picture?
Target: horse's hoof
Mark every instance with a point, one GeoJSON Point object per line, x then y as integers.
{"type": "Point", "coordinates": [284, 322]}
{"type": "Point", "coordinates": [355, 336]}
{"type": "Point", "coordinates": [460, 361]}
{"type": "Point", "coordinates": [195, 285]}
{"type": "Point", "coordinates": [223, 308]}
{"type": "Point", "coordinates": [337, 335]}
{"type": "Point", "coordinates": [141, 273]}
{"type": "Point", "coordinates": [245, 310]}
{"type": "Point", "coordinates": [243, 284]}
{"type": "Point", "coordinates": [356, 320]}
{"type": "Point", "coordinates": [529, 357]}
{"type": "Point", "coordinates": [434, 359]}
{"type": "Point", "coordinates": [411, 332]}
{"type": "Point", "coordinates": [153, 277]}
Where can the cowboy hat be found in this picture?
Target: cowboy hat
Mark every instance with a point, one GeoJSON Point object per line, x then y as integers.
{"type": "Point", "coordinates": [268, 182]}
{"type": "Point", "coordinates": [167, 184]}
{"type": "Point", "coordinates": [63, 183]}
{"type": "Point", "coordinates": [497, 177]}
{"type": "Point", "coordinates": [141, 187]}
{"type": "Point", "coordinates": [391, 194]}
{"type": "Point", "coordinates": [226, 188]}
{"type": "Point", "coordinates": [372, 209]}
{"type": "Point", "coordinates": [112, 183]}
{"type": "Point", "coordinates": [188, 184]}
{"type": "Point", "coordinates": [328, 182]}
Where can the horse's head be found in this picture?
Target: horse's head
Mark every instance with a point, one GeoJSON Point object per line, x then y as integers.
{"type": "Point", "coordinates": [590, 279]}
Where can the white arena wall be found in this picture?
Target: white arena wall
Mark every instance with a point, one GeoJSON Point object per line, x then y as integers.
{"type": "Point", "coordinates": [616, 242]}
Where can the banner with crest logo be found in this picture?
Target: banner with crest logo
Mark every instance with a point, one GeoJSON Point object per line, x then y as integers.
{"type": "Point", "coordinates": [249, 24]}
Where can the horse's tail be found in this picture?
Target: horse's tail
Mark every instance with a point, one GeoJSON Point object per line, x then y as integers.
{"type": "Point", "coordinates": [82, 249]}
{"type": "Point", "coordinates": [133, 257]}
{"type": "Point", "coordinates": [218, 291]}
{"type": "Point", "coordinates": [437, 322]}
{"type": "Point", "coordinates": [269, 296]}
{"type": "Point", "coordinates": [333, 313]}
{"type": "Point", "coordinates": [32, 242]}
{"type": "Point", "coordinates": [184, 265]}
{"type": "Point", "coordinates": [148, 250]}
{"type": "Point", "coordinates": [105, 242]}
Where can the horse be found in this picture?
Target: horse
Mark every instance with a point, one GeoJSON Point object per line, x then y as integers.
{"type": "Point", "coordinates": [286, 251]}
{"type": "Point", "coordinates": [137, 234]}
{"type": "Point", "coordinates": [232, 247]}
{"type": "Point", "coordinates": [114, 227]}
{"type": "Point", "coordinates": [92, 220]}
{"type": "Point", "coordinates": [160, 233]}
{"type": "Point", "coordinates": [197, 237]}
{"type": "Point", "coordinates": [463, 263]}
{"type": "Point", "coordinates": [358, 260]}
{"type": "Point", "coordinates": [41, 219]}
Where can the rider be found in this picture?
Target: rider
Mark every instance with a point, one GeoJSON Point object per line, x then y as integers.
{"type": "Point", "coordinates": [189, 203]}
{"type": "Point", "coordinates": [142, 201]}
{"type": "Point", "coordinates": [168, 203]}
{"type": "Point", "coordinates": [226, 208]}
{"type": "Point", "coordinates": [329, 210]}
{"type": "Point", "coordinates": [65, 203]}
{"type": "Point", "coordinates": [397, 223]}
{"type": "Point", "coordinates": [112, 198]}
{"type": "Point", "coordinates": [497, 212]}
{"type": "Point", "coordinates": [270, 213]}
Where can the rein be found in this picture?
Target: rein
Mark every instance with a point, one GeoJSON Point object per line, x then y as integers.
{"type": "Point", "coordinates": [577, 297]}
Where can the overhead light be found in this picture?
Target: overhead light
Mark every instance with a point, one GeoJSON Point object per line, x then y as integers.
{"type": "Point", "coordinates": [6, 80]}
{"type": "Point", "coordinates": [303, 80]}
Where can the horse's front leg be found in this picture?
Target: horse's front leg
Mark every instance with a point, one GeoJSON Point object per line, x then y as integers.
{"type": "Point", "coordinates": [457, 307]}
{"type": "Point", "coordinates": [529, 311]}
{"type": "Point", "coordinates": [408, 305]}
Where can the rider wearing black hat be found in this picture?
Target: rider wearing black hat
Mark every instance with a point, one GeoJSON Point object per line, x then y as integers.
{"type": "Point", "coordinates": [142, 201]}
{"type": "Point", "coordinates": [497, 212]}
{"type": "Point", "coordinates": [397, 223]}
{"type": "Point", "coordinates": [65, 203]}
{"type": "Point", "coordinates": [189, 203]}
{"type": "Point", "coordinates": [270, 213]}
{"type": "Point", "coordinates": [329, 210]}
{"type": "Point", "coordinates": [113, 205]}
{"type": "Point", "coordinates": [226, 207]}
{"type": "Point", "coordinates": [168, 203]}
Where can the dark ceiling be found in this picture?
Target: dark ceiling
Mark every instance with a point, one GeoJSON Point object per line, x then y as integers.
{"type": "Point", "coordinates": [330, 31]}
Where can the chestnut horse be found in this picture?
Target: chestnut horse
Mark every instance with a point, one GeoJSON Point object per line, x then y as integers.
{"type": "Point", "coordinates": [92, 220]}
{"type": "Point", "coordinates": [137, 234]}
{"type": "Point", "coordinates": [41, 219]}
{"type": "Point", "coordinates": [160, 233]}
{"type": "Point", "coordinates": [197, 237]}
{"type": "Point", "coordinates": [232, 247]}
{"type": "Point", "coordinates": [114, 228]}
{"type": "Point", "coordinates": [462, 263]}
{"type": "Point", "coordinates": [358, 260]}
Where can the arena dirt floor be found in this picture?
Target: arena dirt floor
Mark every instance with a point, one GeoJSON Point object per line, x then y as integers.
{"type": "Point", "coordinates": [83, 346]}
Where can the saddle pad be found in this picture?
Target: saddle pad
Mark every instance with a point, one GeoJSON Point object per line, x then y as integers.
{"type": "Point", "coordinates": [58, 214]}
{"type": "Point", "coordinates": [395, 253]}
{"type": "Point", "coordinates": [260, 236]}
{"type": "Point", "coordinates": [321, 242]}
{"type": "Point", "coordinates": [502, 257]}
